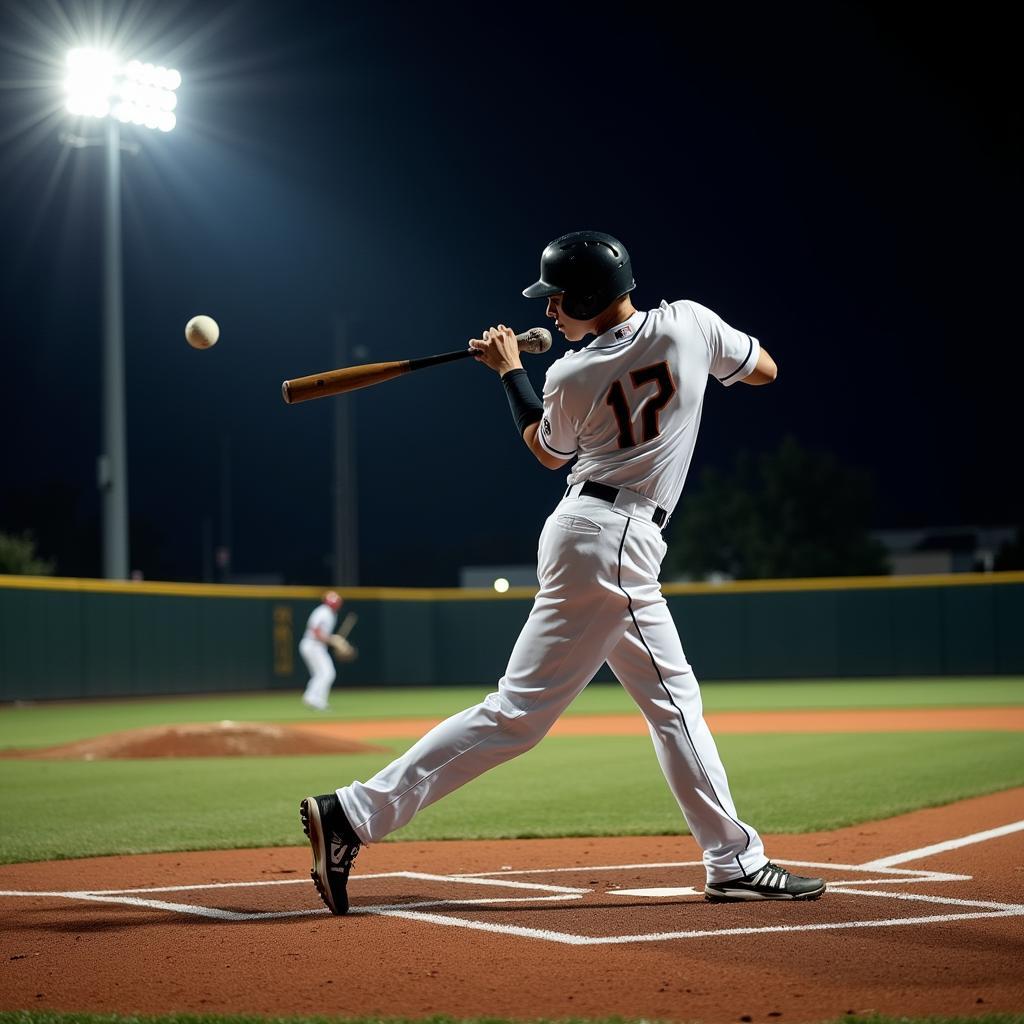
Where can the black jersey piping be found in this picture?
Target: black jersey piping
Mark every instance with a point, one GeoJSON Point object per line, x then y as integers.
{"type": "Point", "coordinates": [682, 719]}
{"type": "Point", "coordinates": [552, 450]}
{"type": "Point", "coordinates": [722, 380]}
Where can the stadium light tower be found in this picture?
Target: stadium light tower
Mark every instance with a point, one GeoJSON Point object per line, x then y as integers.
{"type": "Point", "coordinates": [98, 85]}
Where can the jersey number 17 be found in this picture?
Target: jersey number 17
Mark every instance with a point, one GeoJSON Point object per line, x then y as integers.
{"type": "Point", "coordinates": [659, 374]}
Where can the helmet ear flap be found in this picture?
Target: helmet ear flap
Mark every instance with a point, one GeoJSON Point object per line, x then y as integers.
{"type": "Point", "coordinates": [580, 307]}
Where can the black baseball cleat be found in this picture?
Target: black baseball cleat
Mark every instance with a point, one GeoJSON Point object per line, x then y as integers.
{"type": "Point", "coordinates": [767, 883]}
{"type": "Point", "coordinates": [335, 845]}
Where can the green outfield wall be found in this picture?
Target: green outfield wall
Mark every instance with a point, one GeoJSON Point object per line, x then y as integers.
{"type": "Point", "coordinates": [66, 638]}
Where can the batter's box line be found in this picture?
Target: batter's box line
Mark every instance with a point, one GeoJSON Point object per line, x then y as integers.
{"type": "Point", "coordinates": [419, 875]}
{"type": "Point", "coordinates": [900, 875]}
{"type": "Point", "coordinates": [708, 933]}
{"type": "Point", "coordinates": [415, 912]}
{"type": "Point", "coordinates": [131, 897]}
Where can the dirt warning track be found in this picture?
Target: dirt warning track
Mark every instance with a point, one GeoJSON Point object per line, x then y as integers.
{"type": "Point", "coordinates": [925, 914]}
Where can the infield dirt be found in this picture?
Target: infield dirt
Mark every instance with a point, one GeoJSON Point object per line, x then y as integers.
{"type": "Point", "coordinates": [939, 951]}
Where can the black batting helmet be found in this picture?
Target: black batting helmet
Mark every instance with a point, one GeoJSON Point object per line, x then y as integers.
{"type": "Point", "coordinates": [590, 267]}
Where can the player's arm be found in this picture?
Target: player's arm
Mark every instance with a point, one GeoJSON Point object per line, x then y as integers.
{"type": "Point", "coordinates": [499, 349]}
{"type": "Point", "coordinates": [734, 355]}
{"type": "Point", "coordinates": [764, 371]}
{"type": "Point", "coordinates": [531, 435]}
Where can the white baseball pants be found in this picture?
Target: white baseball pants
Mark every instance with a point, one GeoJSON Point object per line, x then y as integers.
{"type": "Point", "coordinates": [599, 600]}
{"type": "Point", "coordinates": [321, 671]}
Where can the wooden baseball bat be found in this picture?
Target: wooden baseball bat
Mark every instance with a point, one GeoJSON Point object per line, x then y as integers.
{"type": "Point", "coordinates": [351, 378]}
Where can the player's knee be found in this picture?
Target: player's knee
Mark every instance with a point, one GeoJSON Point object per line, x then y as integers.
{"type": "Point", "coordinates": [502, 707]}
{"type": "Point", "coordinates": [520, 723]}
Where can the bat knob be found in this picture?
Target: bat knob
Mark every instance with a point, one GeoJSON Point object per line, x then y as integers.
{"type": "Point", "coordinates": [535, 340]}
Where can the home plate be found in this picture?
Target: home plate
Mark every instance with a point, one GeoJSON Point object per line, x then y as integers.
{"type": "Point", "coordinates": [682, 890]}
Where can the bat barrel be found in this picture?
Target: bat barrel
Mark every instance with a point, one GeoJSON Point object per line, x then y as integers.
{"type": "Point", "coordinates": [337, 382]}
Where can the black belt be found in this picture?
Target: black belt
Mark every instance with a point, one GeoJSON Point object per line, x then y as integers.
{"type": "Point", "coordinates": [592, 489]}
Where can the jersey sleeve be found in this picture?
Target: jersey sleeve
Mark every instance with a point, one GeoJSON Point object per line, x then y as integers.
{"type": "Point", "coordinates": [733, 354]}
{"type": "Point", "coordinates": [559, 427]}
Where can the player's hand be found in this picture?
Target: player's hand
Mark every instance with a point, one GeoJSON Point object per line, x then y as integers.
{"type": "Point", "coordinates": [498, 349]}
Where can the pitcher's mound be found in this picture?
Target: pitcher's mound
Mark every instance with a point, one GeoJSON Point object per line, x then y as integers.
{"type": "Point", "coordinates": [207, 739]}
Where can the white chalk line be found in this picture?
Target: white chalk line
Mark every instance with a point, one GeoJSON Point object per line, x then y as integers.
{"type": "Point", "coordinates": [419, 875]}
{"type": "Point", "coordinates": [569, 939]}
{"type": "Point", "coordinates": [949, 844]}
{"type": "Point", "coordinates": [130, 897]}
{"type": "Point", "coordinates": [416, 911]}
{"type": "Point", "coordinates": [1010, 909]}
{"type": "Point", "coordinates": [216, 913]}
{"type": "Point", "coordinates": [901, 875]}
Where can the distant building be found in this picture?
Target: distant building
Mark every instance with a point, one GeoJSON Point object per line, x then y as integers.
{"type": "Point", "coordinates": [934, 549]}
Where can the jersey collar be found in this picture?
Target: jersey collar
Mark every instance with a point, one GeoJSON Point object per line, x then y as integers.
{"type": "Point", "coordinates": [620, 334]}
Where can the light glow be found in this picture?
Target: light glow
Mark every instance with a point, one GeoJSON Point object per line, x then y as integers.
{"type": "Point", "coordinates": [98, 85]}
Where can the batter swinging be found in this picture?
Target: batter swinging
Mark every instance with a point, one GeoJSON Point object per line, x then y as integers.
{"type": "Point", "coordinates": [626, 407]}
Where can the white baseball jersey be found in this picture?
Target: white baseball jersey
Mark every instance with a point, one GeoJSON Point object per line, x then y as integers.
{"type": "Point", "coordinates": [628, 406]}
{"type": "Point", "coordinates": [629, 403]}
{"type": "Point", "coordinates": [321, 616]}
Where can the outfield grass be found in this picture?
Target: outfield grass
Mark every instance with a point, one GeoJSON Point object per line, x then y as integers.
{"type": "Point", "coordinates": [54, 722]}
{"type": "Point", "coordinates": [567, 786]}
{"type": "Point", "coordinates": [573, 785]}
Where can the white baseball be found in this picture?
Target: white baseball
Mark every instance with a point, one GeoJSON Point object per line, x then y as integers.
{"type": "Point", "coordinates": [202, 332]}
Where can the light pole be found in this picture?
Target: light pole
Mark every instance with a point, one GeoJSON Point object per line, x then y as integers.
{"type": "Point", "coordinates": [100, 86]}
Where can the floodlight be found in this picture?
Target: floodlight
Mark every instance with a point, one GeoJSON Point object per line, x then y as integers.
{"type": "Point", "coordinates": [98, 85]}
{"type": "Point", "coordinates": [89, 82]}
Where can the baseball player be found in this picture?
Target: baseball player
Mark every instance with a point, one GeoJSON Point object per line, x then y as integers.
{"type": "Point", "coordinates": [313, 648]}
{"type": "Point", "coordinates": [625, 407]}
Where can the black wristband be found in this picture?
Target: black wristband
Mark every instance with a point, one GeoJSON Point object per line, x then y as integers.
{"type": "Point", "coordinates": [526, 407]}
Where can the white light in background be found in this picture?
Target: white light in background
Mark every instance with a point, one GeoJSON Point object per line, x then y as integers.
{"type": "Point", "coordinates": [97, 84]}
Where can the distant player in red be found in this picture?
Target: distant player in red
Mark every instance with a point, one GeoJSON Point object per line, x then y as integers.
{"type": "Point", "coordinates": [313, 648]}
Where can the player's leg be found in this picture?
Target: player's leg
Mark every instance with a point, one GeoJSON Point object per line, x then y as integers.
{"type": "Point", "coordinates": [650, 663]}
{"type": "Point", "coordinates": [321, 673]}
{"type": "Point", "coordinates": [308, 653]}
{"type": "Point", "coordinates": [325, 676]}
{"type": "Point", "coordinates": [573, 624]}
{"type": "Point", "coordinates": [653, 669]}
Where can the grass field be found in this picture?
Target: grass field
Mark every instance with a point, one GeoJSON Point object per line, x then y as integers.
{"type": "Point", "coordinates": [49, 723]}
{"type": "Point", "coordinates": [575, 785]}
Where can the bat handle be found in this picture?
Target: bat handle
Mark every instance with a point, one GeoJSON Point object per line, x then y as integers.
{"type": "Point", "coordinates": [445, 357]}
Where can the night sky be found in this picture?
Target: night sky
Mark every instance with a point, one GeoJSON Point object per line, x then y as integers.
{"type": "Point", "coordinates": [839, 180]}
